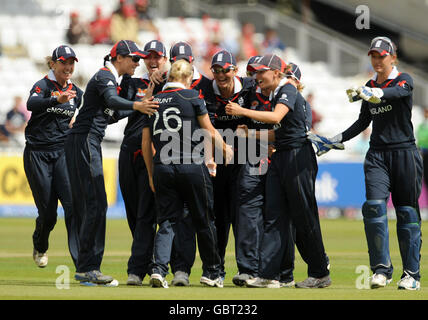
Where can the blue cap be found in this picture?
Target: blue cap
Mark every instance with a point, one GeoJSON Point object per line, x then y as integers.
{"type": "Point", "coordinates": [63, 53]}
{"type": "Point", "coordinates": [181, 50]}
{"type": "Point", "coordinates": [223, 59]}
{"type": "Point", "coordinates": [252, 60]}
{"type": "Point", "coordinates": [126, 48]}
{"type": "Point", "coordinates": [294, 71]}
{"type": "Point", "coordinates": [155, 46]}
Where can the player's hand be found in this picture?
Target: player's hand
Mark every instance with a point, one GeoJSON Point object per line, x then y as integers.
{"type": "Point", "coordinates": [212, 167]}
{"type": "Point", "coordinates": [227, 154]}
{"type": "Point", "coordinates": [72, 121]}
{"type": "Point", "coordinates": [242, 131]}
{"type": "Point", "coordinates": [147, 106]}
{"type": "Point", "coordinates": [157, 77]}
{"type": "Point", "coordinates": [353, 94]}
{"type": "Point", "coordinates": [149, 91]}
{"type": "Point", "coordinates": [271, 150]}
{"type": "Point", "coordinates": [372, 95]}
{"type": "Point", "coordinates": [66, 96]}
{"type": "Point", "coordinates": [323, 144]}
{"type": "Point", "coordinates": [234, 109]}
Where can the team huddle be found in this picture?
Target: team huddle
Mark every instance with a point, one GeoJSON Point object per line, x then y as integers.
{"type": "Point", "coordinates": [200, 156]}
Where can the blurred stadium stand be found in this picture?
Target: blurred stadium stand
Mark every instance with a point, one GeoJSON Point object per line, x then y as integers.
{"type": "Point", "coordinates": [330, 61]}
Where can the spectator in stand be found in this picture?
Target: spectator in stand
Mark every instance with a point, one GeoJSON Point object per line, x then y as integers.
{"type": "Point", "coordinates": [99, 28]}
{"type": "Point", "coordinates": [272, 42]}
{"type": "Point", "coordinates": [15, 122]}
{"type": "Point", "coordinates": [316, 117]}
{"type": "Point", "coordinates": [248, 45]}
{"type": "Point", "coordinates": [124, 23]}
{"type": "Point", "coordinates": [142, 7]}
{"type": "Point", "coordinates": [76, 32]}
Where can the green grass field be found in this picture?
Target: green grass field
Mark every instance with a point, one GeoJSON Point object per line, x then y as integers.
{"type": "Point", "coordinates": [344, 241]}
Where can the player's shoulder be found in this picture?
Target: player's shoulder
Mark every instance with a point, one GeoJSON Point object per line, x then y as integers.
{"type": "Point", "coordinates": [77, 89]}
{"type": "Point", "coordinates": [189, 94]}
{"type": "Point", "coordinates": [403, 76]}
{"type": "Point", "coordinates": [139, 82]}
{"type": "Point", "coordinates": [42, 83]}
{"type": "Point", "coordinates": [288, 88]}
{"type": "Point", "coordinates": [104, 73]}
{"type": "Point", "coordinates": [247, 83]}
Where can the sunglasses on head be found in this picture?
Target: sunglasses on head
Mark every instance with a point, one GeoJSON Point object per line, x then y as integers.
{"type": "Point", "coordinates": [221, 70]}
{"type": "Point", "coordinates": [134, 58]}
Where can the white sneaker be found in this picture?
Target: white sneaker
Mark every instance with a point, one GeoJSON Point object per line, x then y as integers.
{"type": "Point", "coordinates": [262, 283]}
{"type": "Point", "coordinates": [218, 282]}
{"type": "Point", "coordinates": [134, 280]}
{"type": "Point", "coordinates": [157, 281]}
{"type": "Point", "coordinates": [41, 259]}
{"type": "Point", "coordinates": [409, 283]}
{"type": "Point", "coordinates": [288, 284]}
{"type": "Point", "coordinates": [378, 280]}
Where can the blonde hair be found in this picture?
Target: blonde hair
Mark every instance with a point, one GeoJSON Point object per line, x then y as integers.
{"type": "Point", "coordinates": [180, 70]}
{"type": "Point", "coordinates": [300, 86]}
{"type": "Point", "coordinates": [49, 62]}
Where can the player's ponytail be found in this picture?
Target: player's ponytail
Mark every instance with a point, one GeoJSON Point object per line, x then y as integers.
{"type": "Point", "coordinates": [106, 58]}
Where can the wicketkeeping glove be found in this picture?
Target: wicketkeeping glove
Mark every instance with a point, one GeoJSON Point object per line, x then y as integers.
{"type": "Point", "coordinates": [372, 95]}
{"type": "Point", "coordinates": [353, 94]}
{"type": "Point", "coordinates": [323, 144]}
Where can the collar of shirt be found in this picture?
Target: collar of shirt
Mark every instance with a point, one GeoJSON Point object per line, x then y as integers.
{"type": "Point", "coordinates": [169, 85]}
{"type": "Point", "coordinates": [280, 85]}
{"type": "Point", "coordinates": [113, 70]}
{"type": "Point", "coordinates": [236, 88]}
{"type": "Point", "coordinates": [196, 74]}
{"type": "Point", "coordinates": [146, 76]}
{"type": "Point", "coordinates": [51, 76]}
{"type": "Point", "coordinates": [394, 74]}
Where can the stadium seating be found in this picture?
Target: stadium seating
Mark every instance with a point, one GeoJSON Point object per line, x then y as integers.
{"type": "Point", "coordinates": [40, 34]}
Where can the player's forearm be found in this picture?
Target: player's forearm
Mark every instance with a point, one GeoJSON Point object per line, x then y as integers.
{"type": "Point", "coordinates": [35, 104]}
{"type": "Point", "coordinates": [263, 135]}
{"type": "Point", "coordinates": [263, 116]}
{"type": "Point", "coordinates": [146, 149]}
{"type": "Point", "coordinates": [117, 103]}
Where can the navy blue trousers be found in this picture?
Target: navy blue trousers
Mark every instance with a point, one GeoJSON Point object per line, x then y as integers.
{"type": "Point", "coordinates": [249, 223]}
{"type": "Point", "coordinates": [140, 209]}
{"type": "Point", "coordinates": [395, 172]}
{"type": "Point", "coordinates": [176, 185]}
{"type": "Point", "coordinates": [290, 197]}
{"type": "Point", "coordinates": [48, 178]}
{"type": "Point", "coordinates": [226, 202]}
{"type": "Point", "coordinates": [84, 162]}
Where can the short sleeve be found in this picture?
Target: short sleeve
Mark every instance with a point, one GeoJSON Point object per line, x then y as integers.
{"type": "Point", "coordinates": [287, 95]}
{"type": "Point", "coordinates": [200, 106]}
{"type": "Point", "coordinates": [145, 121]}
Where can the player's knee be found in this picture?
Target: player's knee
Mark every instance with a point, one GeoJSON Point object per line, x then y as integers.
{"type": "Point", "coordinates": [374, 209]}
{"type": "Point", "coordinates": [407, 215]}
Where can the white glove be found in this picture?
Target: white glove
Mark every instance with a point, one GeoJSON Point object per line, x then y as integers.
{"type": "Point", "coordinates": [371, 95]}
{"type": "Point", "coordinates": [323, 144]}
{"type": "Point", "coordinates": [353, 94]}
